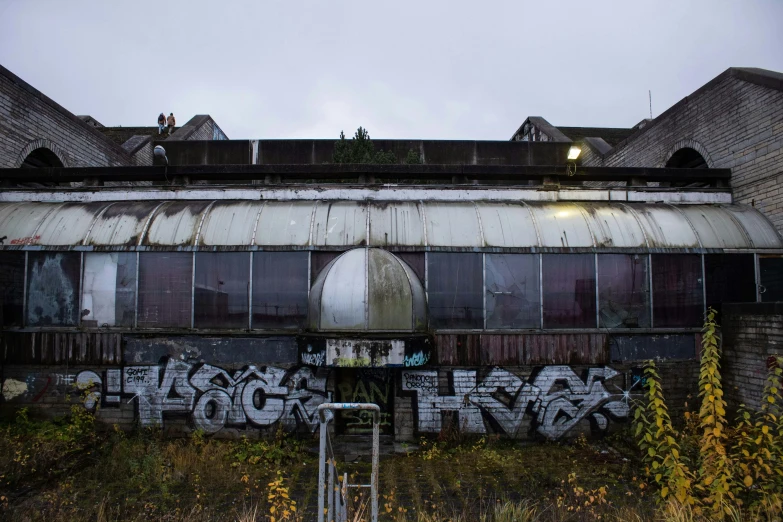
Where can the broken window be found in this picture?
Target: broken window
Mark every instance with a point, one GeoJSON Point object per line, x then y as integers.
{"type": "Point", "coordinates": [53, 288]}
{"type": "Point", "coordinates": [165, 286]}
{"type": "Point", "coordinates": [280, 288]}
{"type": "Point", "coordinates": [454, 290]}
{"type": "Point", "coordinates": [730, 278]}
{"type": "Point", "coordinates": [109, 289]}
{"type": "Point", "coordinates": [569, 290]}
{"type": "Point", "coordinates": [771, 278]}
{"type": "Point", "coordinates": [678, 298]}
{"type": "Point", "coordinates": [623, 291]}
{"type": "Point", "coordinates": [222, 289]}
{"type": "Point", "coordinates": [513, 291]}
{"type": "Point", "coordinates": [11, 288]}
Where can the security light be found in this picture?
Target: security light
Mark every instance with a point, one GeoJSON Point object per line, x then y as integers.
{"type": "Point", "coordinates": [160, 153]}
{"type": "Point", "coordinates": [574, 153]}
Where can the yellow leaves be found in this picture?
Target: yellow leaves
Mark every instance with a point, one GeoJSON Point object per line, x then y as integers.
{"type": "Point", "coordinates": [664, 492]}
{"type": "Point", "coordinates": [765, 429]}
{"type": "Point", "coordinates": [748, 481]}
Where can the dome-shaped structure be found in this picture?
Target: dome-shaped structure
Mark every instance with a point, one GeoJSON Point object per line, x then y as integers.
{"type": "Point", "coordinates": [367, 289]}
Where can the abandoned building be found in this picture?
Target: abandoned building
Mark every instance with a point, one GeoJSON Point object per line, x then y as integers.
{"type": "Point", "coordinates": [506, 287]}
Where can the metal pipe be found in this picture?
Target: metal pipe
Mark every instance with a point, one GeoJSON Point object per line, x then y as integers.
{"type": "Point", "coordinates": [321, 469]}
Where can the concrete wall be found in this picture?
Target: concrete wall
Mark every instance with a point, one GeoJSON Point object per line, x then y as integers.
{"type": "Point", "coordinates": [734, 121]}
{"type": "Point", "coordinates": [29, 120]}
{"type": "Point", "coordinates": [752, 333]}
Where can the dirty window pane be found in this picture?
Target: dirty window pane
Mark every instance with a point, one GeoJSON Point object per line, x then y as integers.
{"type": "Point", "coordinates": [222, 286]}
{"type": "Point", "coordinates": [11, 288]}
{"type": "Point", "coordinates": [569, 290]}
{"type": "Point", "coordinates": [454, 290]}
{"type": "Point", "coordinates": [280, 286]}
{"type": "Point", "coordinates": [623, 291]}
{"type": "Point", "coordinates": [415, 260]}
{"type": "Point", "coordinates": [53, 288]}
{"type": "Point", "coordinates": [109, 289]}
{"type": "Point", "coordinates": [318, 262]}
{"type": "Point", "coordinates": [730, 278]}
{"type": "Point", "coordinates": [678, 300]}
{"type": "Point", "coordinates": [513, 291]}
{"type": "Point", "coordinates": [771, 278]}
{"type": "Point", "coordinates": [165, 282]}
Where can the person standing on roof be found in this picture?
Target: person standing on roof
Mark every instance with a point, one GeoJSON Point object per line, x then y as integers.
{"type": "Point", "coordinates": [161, 123]}
{"type": "Point", "coordinates": [171, 121]}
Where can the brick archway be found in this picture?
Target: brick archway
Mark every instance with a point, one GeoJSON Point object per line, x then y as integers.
{"type": "Point", "coordinates": [41, 143]}
{"type": "Point", "coordinates": [687, 144]}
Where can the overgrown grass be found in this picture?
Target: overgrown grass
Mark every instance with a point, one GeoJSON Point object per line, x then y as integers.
{"type": "Point", "coordinates": [65, 470]}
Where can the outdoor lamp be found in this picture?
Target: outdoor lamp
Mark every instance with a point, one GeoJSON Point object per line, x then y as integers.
{"type": "Point", "coordinates": [574, 152]}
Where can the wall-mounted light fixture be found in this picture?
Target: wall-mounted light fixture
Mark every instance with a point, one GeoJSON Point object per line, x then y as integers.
{"type": "Point", "coordinates": [574, 152]}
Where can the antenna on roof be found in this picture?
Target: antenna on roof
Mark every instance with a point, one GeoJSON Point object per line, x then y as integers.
{"type": "Point", "coordinates": [649, 93]}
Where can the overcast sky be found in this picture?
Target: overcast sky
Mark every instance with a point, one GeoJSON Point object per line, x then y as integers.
{"type": "Point", "coordinates": [423, 69]}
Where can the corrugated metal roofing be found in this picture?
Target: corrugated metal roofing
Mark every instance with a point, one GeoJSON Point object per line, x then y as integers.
{"type": "Point", "coordinates": [460, 225]}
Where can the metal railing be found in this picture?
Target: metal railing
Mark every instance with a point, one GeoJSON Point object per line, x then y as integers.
{"type": "Point", "coordinates": [332, 502]}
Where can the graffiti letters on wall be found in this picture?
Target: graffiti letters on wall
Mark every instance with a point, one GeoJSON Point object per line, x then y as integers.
{"type": "Point", "coordinates": [553, 401]}
{"type": "Point", "coordinates": [212, 397]}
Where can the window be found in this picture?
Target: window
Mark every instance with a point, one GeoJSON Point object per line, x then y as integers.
{"type": "Point", "coordinates": [280, 288]}
{"type": "Point", "coordinates": [109, 289]}
{"type": "Point", "coordinates": [415, 260]}
{"type": "Point", "coordinates": [730, 278]}
{"type": "Point", "coordinates": [771, 278]}
{"type": "Point", "coordinates": [623, 291]}
{"type": "Point", "coordinates": [11, 288]}
{"type": "Point", "coordinates": [53, 288]}
{"type": "Point", "coordinates": [318, 262]}
{"type": "Point", "coordinates": [165, 285]}
{"type": "Point", "coordinates": [569, 290]}
{"type": "Point", "coordinates": [513, 291]}
{"type": "Point", "coordinates": [677, 290]}
{"type": "Point", "coordinates": [222, 287]}
{"type": "Point", "coordinates": [454, 289]}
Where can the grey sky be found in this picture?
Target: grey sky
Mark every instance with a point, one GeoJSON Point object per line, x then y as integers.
{"type": "Point", "coordinates": [426, 69]}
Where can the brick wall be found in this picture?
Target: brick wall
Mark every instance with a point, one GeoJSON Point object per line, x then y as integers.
{"type": "Point", "coordinates": [752, 332]}
{"type": "Point", "coordinates": [734, 123]}
{"type": "Point", "coordinates": [29, 120]}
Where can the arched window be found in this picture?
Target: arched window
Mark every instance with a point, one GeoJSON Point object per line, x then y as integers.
{"type": "Point", "coordinates": [687, 158]}
{"type": "Point", "coordinates": [41, 158]}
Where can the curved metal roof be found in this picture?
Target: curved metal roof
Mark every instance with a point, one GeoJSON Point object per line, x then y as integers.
{"type": "Point", "coordinates": [367, 289]}
{"type": "Point", "coordinates": [427, 224]}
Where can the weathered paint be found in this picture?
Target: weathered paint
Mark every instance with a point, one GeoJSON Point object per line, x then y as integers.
{"type": "Point", "coordinates": [373, 353]}
{"type": "Point", "coordinates": [644, 347]}
{"type": "Point", "coordinates": [234, 351]}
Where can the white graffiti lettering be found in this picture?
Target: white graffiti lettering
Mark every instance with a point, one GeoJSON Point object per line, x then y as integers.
{"type": "Point", "coordinates": [215, 398]}
{"type": "Point", "coordinates": [557, 398]}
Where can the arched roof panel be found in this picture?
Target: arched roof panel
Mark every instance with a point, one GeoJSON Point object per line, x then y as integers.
{"type": "Point", "coordinates": [284, 223]}
{"type": "Point", "coordinates": [507, 225]}
{"type": "Point", "coordinates": [452, 224]}
{"type": "Point", "coordinates": [562, 225]}
{"type": "Point", "coordinates": [344, 224]}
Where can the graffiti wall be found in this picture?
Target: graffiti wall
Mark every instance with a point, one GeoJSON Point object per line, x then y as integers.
{"type": "Point", "coordinates": [517, 402]}
{"type": "Point", "coordinates": [550, 402]}
{"type": "Point", "coordinates": [211, 397]}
